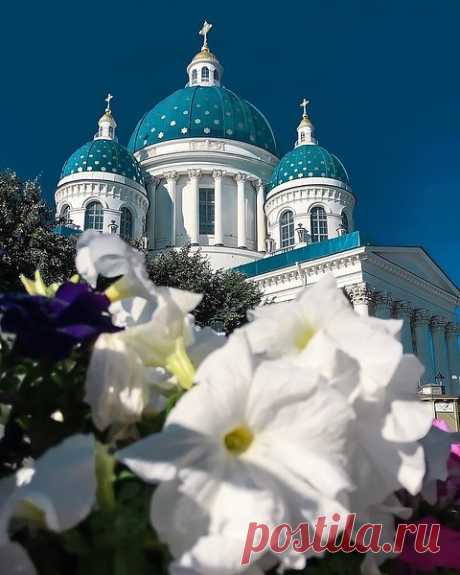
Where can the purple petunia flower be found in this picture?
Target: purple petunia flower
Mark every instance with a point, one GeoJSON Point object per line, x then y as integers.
{"type": "Point", "coordinates": [50, 327]}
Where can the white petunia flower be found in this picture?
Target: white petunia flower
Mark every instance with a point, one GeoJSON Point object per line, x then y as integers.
{"type": "Point", "coordinates": [109, 256]}
{"type": "Point", "coordinates": [383, 514]}
{"type": "Point", "coordinates": [288, 329]}
{"type": "Point", "coordinates": [321, 331]}
{"type": "Point", "coordinates": [132, 311]}
{"type": "Point", "coordinates": [162, 342]}
{"type": "Point", "coordinates": [386, 453]}
{"type": "Point", "coordinates": [116, 385]}
{"type": "Point", "coordinates": [246, 444]}
{"type": "Point", "coordinates": [187, 566]}
{"type": "Point", "coordinates": [57, 492]}
{"type": "Point", "coordinates": [130, 371]}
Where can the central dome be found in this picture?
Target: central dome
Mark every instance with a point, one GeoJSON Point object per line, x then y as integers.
{"type": "Point", "coordinates": [203, 112]}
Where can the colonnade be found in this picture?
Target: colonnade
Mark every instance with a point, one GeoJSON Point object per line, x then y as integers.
{"type": "Point", "coordinates": [432, 338]}
{"type": "Point", "coordinates": [195, 177]}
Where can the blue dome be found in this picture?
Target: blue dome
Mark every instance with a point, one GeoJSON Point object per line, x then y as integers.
{"type": "Point", "coordinates": [103, 156]}
{"type": "Point", "coordinates": [308, 161]}
{"type": "Point", "coordinates": [203, 112]}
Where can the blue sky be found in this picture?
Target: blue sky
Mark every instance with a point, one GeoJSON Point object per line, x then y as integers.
{"type": "Point", "coordinates": [382, 77]}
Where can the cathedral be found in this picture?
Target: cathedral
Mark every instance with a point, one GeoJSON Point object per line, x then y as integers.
{"type": "Point", "coordinates": [202, 167]}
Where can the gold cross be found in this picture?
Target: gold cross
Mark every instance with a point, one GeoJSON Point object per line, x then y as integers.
{"type": "Point", "coordinates": [304, 105]}
{"type": "Point", "coordinates": [204, 32]}
{"type": "Point", "coordinates": [109, 97]}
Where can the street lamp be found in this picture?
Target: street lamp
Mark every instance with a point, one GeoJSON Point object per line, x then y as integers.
{"type": "Point", "coordinates": [301, 233]}
{"type": "Point", "coordinates": [439, 380]}
{"type": "Point", "coordinates": [113, 227]}
{"type": "Point", "coordinates": [269, 244]}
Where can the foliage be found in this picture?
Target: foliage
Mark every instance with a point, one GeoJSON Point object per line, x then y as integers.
{"type": "Point", "coordinates": [27, 241]}
{"type": "Point", "coordinates": [227, 296]}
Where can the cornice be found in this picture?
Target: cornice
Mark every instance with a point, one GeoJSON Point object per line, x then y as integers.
{"type": "Point", "coordinates": [303, 270]}
{"type": "Point", "coordinates": [408, 276]}
{"type": "Point", "coordinates": [96, 189]}
{"type": "Point", "coordinates": [315, 193]}
{"type": "Point", "coordinates": [193, 148]}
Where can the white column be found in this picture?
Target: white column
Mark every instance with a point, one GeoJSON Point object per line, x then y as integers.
{"type": "Point", "coordinates": [151, 183]}
{"type": "Point", "coordinates": [382, 306]}
{"type": "Point", "coordinates": [361, 297]}
{"type": "Point", "coordinates": [241, 210]}
{"type": "Point", "coordinates": [261, 229]}
{"type": "Point", "coordinates": [218, 209]}
{"type": "Point", "coordinates": [441, 363]}
{"type": "Point", "coordinates": [171, 182]}
{"type": "Point", "coordinates": [194, 231]}
{"type": "Point", "coordinates": [421, 324]}
{"type": "Point", "coordinates": [453, 356]}
{"type": "Point", "coordinates": [402, 310]}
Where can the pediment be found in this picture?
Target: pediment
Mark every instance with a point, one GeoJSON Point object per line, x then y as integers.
{"type": "Point", "coordinates": [418, 262]}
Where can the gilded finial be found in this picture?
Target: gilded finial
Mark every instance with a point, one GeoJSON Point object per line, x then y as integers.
{"type": "Point", "coordinates": [304, 105]}
{"type": "Point", "coordinates": [109, 97]}
{"type": "Point", "coordinates": [204, 32]}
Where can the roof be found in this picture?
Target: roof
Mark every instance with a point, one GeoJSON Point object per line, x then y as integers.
{"type": "Point", "coordinates": [203, 112]}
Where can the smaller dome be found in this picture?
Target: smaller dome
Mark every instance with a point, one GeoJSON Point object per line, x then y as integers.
{"type": "Point", "coordinates": [103, 155]}
{"type": "Point", "coordinates": [308, 161]}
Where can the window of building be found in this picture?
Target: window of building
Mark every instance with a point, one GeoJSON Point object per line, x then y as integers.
{"type": "Point", "coordinates": [216, 75]}
{"type": "Point", "coordinates": [205, 74]}
{"type": "Point", "coordinates": [318, 224]}
{"type": "Point", "coordinates": [94, 216]}
{"type": "Point", "coordinates": [126, 224]}
{"type": "Point", "coordinates": [345, 223]}
{"type": "Point", "coordinates": [65, 215]}
{"type": "Point", "coordinates": [194, 76]}
{"type": "Point", "coordinates": [206, 210]}
{"type": "Point", "coordinates": [286, 229]}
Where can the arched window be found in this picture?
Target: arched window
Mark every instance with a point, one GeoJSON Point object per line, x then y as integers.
{"type": "Point", "coordinates": [216, 75]}
{"type": "Point", "coordinates": [205, 74]}
{"type": "Point", "coordinates": [65, 215]}
{"type": "Point", "coordinates": [286, 229]}
{"type": "Point", "coordinates": [94, 216]}
{"type": "Point", "coordinates": [345, 223]}
{"type": "Point", "coordinates": [126, 224]}
{"type": "Point", "coordinates": [318, 224]}
{"type": "Point", "coordinates": [194, 76]}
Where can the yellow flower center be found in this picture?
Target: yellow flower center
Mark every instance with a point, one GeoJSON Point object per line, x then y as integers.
{"type": "Point", "coordinates": [238, 440]}
{"type": "Point", "coordinates": [303, 336]}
